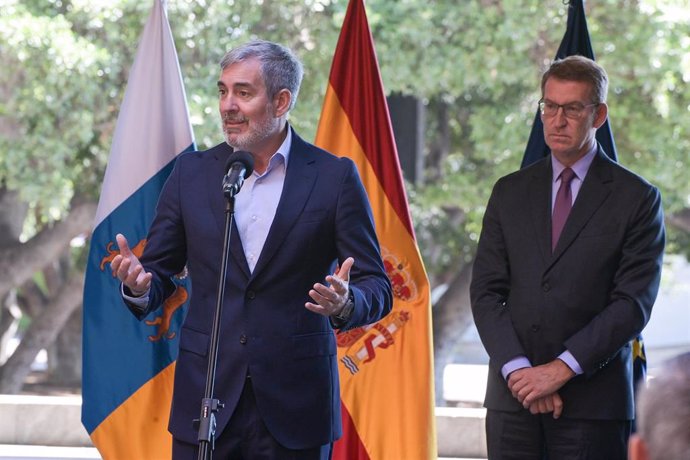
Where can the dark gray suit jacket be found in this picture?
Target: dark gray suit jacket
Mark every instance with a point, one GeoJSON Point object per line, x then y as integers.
{"type": "Point", "coordinates": [592, 296]}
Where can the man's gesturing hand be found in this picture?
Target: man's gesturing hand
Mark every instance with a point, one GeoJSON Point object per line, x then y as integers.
{"type": "Point", "coordinates": [331, 299]}
{"type": "Point", "coordinates": [128, 269]}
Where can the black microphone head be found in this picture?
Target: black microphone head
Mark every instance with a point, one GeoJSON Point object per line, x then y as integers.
{"type": "Point", "coordinates": [240, 156]}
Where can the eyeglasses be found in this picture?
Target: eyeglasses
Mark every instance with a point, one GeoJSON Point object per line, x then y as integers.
{"type": "Point", "coordinates": [574, 110]}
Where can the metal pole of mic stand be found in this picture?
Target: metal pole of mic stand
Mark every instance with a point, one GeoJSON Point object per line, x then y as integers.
{"type": "Point", "coordinates": [210, 405]}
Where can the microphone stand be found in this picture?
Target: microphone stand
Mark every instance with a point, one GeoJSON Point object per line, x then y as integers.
{"type": "Point", "coordinates": [210, 405]}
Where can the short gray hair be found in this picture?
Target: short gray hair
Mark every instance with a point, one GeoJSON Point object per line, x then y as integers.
{"type": "Point", "coordinates": [280, 68]}
{"type": "Point", "coordinates": [663, 411]}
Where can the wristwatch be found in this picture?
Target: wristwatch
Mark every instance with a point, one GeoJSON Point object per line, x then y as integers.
{"type": "Point", "coordinates": [344, 315]}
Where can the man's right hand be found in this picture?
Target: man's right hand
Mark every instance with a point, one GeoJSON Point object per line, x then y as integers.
{"type": "Point", "coordinates": [532, 383]}
{"type": "Point", "coordinates": [128, 269]}
{"type": "Point", "coordinates": [547, 404]}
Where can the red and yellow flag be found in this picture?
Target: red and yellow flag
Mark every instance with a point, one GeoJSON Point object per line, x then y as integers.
{"type": "Point", "coordinates": [386, 369]}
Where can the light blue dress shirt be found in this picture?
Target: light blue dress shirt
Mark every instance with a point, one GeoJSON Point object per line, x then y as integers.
{"type": "Point", "coordinates": [257, 202]}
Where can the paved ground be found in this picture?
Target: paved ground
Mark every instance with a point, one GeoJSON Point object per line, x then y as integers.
{"type": "Point", "coordinates": [13, 452]}
{"type": "Point", "coordinates": [16, 452]}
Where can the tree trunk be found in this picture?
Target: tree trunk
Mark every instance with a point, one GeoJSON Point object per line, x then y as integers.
{"type": "Point", "coordinates": [9, 320]}
{"type": "Point", "coordinates": [19, 262]}
{"type": "Point", "coordinates": [452, 317]}
{"type": "Point", "coordinates": [41, 334]}
{"type": "Point", "coordinates": [65, 367]}
{"type": "Point", "coordinates": [680, 220]}
{"type": "Point", "coordinates": [12, 215]}
{"type": "Point", "coordinates": [439, 148]}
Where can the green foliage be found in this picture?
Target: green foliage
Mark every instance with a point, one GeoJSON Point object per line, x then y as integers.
{"type": "Point", "coordinates": [48, 100]}
{"type": "Point", "coordinates": [497, 60]}
{"type": "Point", "coordinates": [66, 62]}
{"type": "Point", "coordinates": [205, 30]}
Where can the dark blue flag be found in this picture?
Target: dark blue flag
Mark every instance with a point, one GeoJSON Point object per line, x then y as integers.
{"type": "Point", "coordinates": [576, 41]}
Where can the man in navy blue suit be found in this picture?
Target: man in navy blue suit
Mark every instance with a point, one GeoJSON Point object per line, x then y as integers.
{"type": "Point", "coordinates": [304, 260]}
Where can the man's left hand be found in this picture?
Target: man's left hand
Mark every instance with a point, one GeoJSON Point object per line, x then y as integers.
{"type": "Point", "coordinates": [548, 404]}
{"type": "Point", "coordinates": [532, 383]}
{"type": "Point", "coordinates": [331, 299]}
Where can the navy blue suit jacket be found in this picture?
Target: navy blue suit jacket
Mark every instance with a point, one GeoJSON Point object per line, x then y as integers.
{"type": "Point", "coordinates": [323, 216]}
{"type": "Point", "coordinates": [591, 296]}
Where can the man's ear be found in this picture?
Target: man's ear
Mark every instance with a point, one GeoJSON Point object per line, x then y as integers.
{"type": "Point", "coordinates": [600, 115]}
{"type": "Point", "coordinates": [281, 102]}
{"type": "Point", "coordinates": [637, 449]}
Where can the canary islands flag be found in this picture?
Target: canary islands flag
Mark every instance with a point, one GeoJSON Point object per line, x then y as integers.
{"type": "Point", "coordinates": [128, 365]}
{"type": "Point", "coordinates": [386, 369]}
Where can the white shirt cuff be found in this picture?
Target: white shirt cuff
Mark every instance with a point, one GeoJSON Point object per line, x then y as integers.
{"type": "Point", "coordinates": [139, 302]}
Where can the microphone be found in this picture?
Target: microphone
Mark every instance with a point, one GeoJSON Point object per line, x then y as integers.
{"type": "Point", "coordinates": [239, 166]}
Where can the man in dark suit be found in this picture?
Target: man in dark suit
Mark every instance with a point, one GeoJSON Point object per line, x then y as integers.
{"type": "Point", "coordinates": [304, 260]}
{"type": "Point", "coordinates": [566, 273]}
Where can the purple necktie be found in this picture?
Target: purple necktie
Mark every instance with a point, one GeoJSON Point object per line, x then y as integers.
{"type": "Point", "coordinates": [561, 208]}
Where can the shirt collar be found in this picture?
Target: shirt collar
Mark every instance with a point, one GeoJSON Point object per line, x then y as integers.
{"type": "Point", "coordinates": [580, 167]}
{"type": "Point", "coordinates": [284, 149]}
{"type": "Point", "coordinates": [283, 153]}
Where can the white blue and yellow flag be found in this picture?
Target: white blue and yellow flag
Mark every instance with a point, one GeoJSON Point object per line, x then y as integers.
{"type": "Point", "coordinates": [128, 364]}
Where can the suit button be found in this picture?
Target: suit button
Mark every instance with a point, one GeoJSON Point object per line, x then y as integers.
{"type": "Point", "coordinates": [243, 339]}
{"type": "Point", "coordinates": [251, 295]}
{"type": "Point", "coordinates": [535, 327]}
{"type": "Point", "coordinates": [546, 287]}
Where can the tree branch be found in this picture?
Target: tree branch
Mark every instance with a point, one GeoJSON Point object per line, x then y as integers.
{"type": "Point", "coordinates": [41, 333]}
{"type": "Point", "coordinates": [21, 261]}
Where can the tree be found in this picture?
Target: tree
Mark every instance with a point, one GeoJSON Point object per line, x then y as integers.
{"type": "Point", "coordinates": [475, 64]}
{"type": "Point", "coordinates": [481, 68]}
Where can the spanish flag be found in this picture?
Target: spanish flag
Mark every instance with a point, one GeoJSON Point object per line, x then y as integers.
{"type": "Point", "coordinates": [386, 369]}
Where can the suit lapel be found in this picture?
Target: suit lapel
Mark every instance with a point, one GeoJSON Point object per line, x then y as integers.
{"type": "Point", "coordinates": [594, 191]}
{"type": "Point", "coordinates": [299, 182]}
{"type": "Point", "coordinates": [218, 203]}
{"type": "Point", "coordinates": [540, 206]}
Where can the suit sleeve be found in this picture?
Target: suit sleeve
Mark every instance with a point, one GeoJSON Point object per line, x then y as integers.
{"type": "Point", "coordinates": [356, 237]}
{"type": "Point", "coordinates": [634, 289]}
{"type": "Point", "coordinates": [490, 288]}
{"type": "Point", "coordinates": [165, 253]}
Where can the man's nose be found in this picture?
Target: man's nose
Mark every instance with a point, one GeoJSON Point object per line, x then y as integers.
{"type": "Point", "coordinates": [228, 104]}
